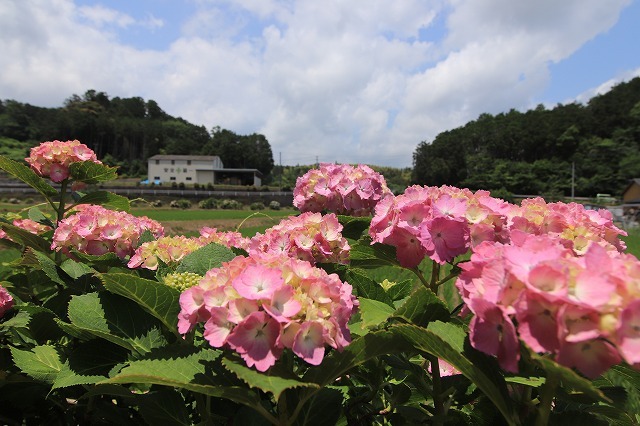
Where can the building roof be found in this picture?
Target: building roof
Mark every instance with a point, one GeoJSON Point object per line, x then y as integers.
{"type": "Point", "coordinates": [631, 183]}
{"type": "Point", "coordinates": [185, 157]}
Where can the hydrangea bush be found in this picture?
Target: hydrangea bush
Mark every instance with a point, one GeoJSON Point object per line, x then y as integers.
{"type": "Point", "coordinates": [439, 305]}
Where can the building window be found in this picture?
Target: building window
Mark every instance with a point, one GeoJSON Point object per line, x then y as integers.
{"type": "Point", "coordinates": [173, 162]}
{"type": "Point", "coordinates": [188, 177]}
{"type": "Point", "coordinates": [188, 162]}
{"type": "Point", "coordinates": [157, 161]}
{"type": "Point", "coordinates": [156, 178]}
{"type": "Point", "coordinates": [166, 170]}
{"type": "Point", "coordinates": [172, 178]}
{"type": "Point", "coordinates": [184, 170]}
{"type": "Point", "coordinates": [172, 170]}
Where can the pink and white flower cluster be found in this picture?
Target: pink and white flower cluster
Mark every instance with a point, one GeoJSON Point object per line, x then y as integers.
{"type": "Point", "coordinates": [310, 236]}
{"type": "Point", "coordinates": [341, 189]}
{"type": "Point", "coordinates": [226, 238]}
{"type": "Point", "coordinates": [171, 250]}
{"type": "Point", "coordinates": [438, 222]}
{"type": "Point", "coordinates": [6, 301]}
{"type": "Point", "coordinates": [28, 225]}
{"type": "Point", "coordinates": [52, 159]}
{"type": "Point", "coordinates": [260, 305]}
{"type": "Point", "coordinates": [444, 222]}
{"type": "Point", "coordinates": [585, 310]}
{"type": "Point", "coordinates": [95, 230]}
{"type": "Point", "coordinates": [578, 227]}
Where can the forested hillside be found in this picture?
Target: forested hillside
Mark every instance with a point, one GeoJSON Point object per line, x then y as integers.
{"type": "Point", "coordinates": [532, 152]}
{"type": "Point", "coordinates": [126, 131]}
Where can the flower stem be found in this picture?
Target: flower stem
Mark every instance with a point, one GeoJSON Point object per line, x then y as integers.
{"type": "Point", "coordinates": [548, 393]}
{"type": "Point", "coordinates": [435, 274]}
{"type": "Point", "coordinates": [438, 403]}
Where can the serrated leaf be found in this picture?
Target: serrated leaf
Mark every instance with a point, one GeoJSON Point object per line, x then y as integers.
{"type": "Point", "coordinates": [76, 269]}
{"type": "Point", "coordinates": [36, 215]}
{"type": "Point", "coordinates": [353, 227]}
{"type": "Point", "coordinates": [26, 238]}
{"type": "Point", "coordinates": [89, 363]}
{"type": "Point", "coordinates": [267, 382]}
{"type": "Point", "coordinates": [186, 368]}
{"type": "Point", "coordinates": [28, 176]}
{"type": "Point", "coordinates": [569, 378]}
{"type": "Point", "coordinates": [323, 409]}
{"type": "Point", "coordinates": [366, 287]}
{"type": "Point", "coordinates": [48, 266]}
{"type": "Point", "coordinates": [373, 312]}
{"type": "Point", "coordinates": [363, 254]}
{"type": "Point", "coordinates": [107, 200]}
{"type": "Point", "coordinates": [90, 172]}
{"type": "Point", "coordinates": [43, 363]}
{"type": "Point", "coordinates": [360, 350]}
{"type": "Point", "coordinates": [400, 290]}
{"type": "Point", "coordinates": [160, 300]}
{"type": "Point", "coordinates": [163, 407]}
{"type": "Point", "coordinates": [422, 307]}
{"type": "Point", "coordinates": [446, 341]}
{"type": "Point", "coordinates": [205, 258]}
{"type": "Point", "coordinates": [113, 318]}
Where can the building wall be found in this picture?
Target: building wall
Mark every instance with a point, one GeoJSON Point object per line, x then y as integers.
{"type": "Point", "coordinates": [180, 170]}
{"type": "Point", "coordinates": [632, 193]}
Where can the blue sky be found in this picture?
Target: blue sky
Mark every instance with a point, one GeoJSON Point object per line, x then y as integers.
{"type": "Point", "coordinates": [346, 81]}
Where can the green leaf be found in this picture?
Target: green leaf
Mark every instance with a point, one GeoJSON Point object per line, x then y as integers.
{"type": "Point", "coordinates": [107, 200]}
{"type": "Point", "coordinates": [76, 269]}
{"type": "Point", "coordinates": [89, 363]}
{"type": "Point", "coordinates": [363, 254]}
{"type": "Point", "coordinates": [26, 238]}
{"type": "Point", "coordinates": [323, 409]}
{"type": "Point", "coordinates": [160, 300]}
{"type": "Point", "coordinates": [360, 350]}
{"type": "Point", "coordinates": [36, 215]}
{"type": "Point", "coordinates": [28, 176]}
{"type": "Point", "coordinates": [205, 258]}
{"type": "Point", "coordinates": [353, 227]}
{"type": "Point", "coordinates": [373, 312]}
{"type": "Point", "coordinates": [267, 382]}
{"type": "Point", "coordinates": [90, 172]}
{"type": "Point", "coordinates": [533, 382]}
{"type": "Point", "coordinates": [400, 290]}
{"type": "Point", "coordinates": [48, 266]}
{"type": "Point", "coordinates": [422, 307]}
{"type": "Point", "coordinates": [43, 363]}
{"type": "Point", "coordinates": [113, 318]}
{"type": "Point", "coordinates": [446, 341]}
{"type": "Point", "coordinates": [367, 287]}
{"type": "Point", "coordinates": [570, 379]}
{"type": "Point", "coordinates": [187, 368]}
{"type": "Point", "coordinates": [163, 407]}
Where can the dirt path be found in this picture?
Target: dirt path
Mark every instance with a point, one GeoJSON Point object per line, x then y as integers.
{"type": "Point", "coordinates": [192, 227]}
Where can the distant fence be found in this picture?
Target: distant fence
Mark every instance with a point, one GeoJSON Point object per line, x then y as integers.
{"type": "Point", "coordinates": [283, 197]}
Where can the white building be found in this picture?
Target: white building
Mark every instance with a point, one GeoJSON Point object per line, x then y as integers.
{"type": "Point", "coordinates": [200, 169]}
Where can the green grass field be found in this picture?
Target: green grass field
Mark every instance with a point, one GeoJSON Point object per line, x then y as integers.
{"type": "Point", "coordinates": [165, 215]}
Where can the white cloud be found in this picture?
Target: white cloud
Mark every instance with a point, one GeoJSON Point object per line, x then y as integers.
{"type": "Point", "coordinates": [350, 81]}
{"type": "Point", "coordinates": [606, 86]}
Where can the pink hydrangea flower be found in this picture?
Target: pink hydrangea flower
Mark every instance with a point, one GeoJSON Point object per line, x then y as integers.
{"type": "Point", "coordinates": [310, 236]}
{"type": "Point", "coordinates": [95, 230]}
{"type": "Point", "coordinates": [52, 159]}
{"type": "Point", "coordinates": [341, 189]}
{"type": "Point", "coordinates": [6, 301]}
{"type": "Point", "coordinates": [262, 304]}
{"type": "Point", "coordinates": [28, 225]}
{"type": "Point", "coordinates": [580, 309]}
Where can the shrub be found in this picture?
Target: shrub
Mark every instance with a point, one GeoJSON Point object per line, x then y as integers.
{"type": "Point", "coordinates": [180, 204]}
{"type": "Point", "coordinates": [230, 205]}
{"type": "Point", "coordinates": [258, 205]}
{"type": "Point", "coordinates": [208, 203]}
{"type": "Point", "coordinates": [274, 205]}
